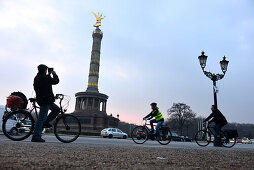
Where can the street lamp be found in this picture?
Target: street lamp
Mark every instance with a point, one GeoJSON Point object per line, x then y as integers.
{"type": "Point", "coordinates": [213, 77]}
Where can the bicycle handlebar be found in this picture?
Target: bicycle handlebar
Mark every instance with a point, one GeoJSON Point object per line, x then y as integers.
{"type": "Point", "coordinates": [145, 122]}
{"type": "Point", "coordinates": [59, 96]}
{"type": "Point", "coordinates": [63, 97]}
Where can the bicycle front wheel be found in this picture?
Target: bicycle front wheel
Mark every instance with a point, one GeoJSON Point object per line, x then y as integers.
{"type": "Point", "coordinates": [139, 135]}
{"type": "Point", "coordinates": [165, 136]}
{"type": "Point", "coordinates": [18, 125]}
{"type": "Point", "coordinates": [203, 138]}
{"type": "Point", "coordinates": [67, 128]}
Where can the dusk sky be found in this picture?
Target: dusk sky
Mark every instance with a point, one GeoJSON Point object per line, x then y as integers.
{"type": "Point", "coordinates": [149, 52]}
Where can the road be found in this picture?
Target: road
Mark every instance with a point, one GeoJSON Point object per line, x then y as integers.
{"type": "Point", "coordinates": [100, 153]}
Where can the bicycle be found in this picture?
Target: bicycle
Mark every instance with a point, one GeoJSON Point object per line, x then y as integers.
{"type": "Point", "coordinates": [141, 134]}
{"type": "Point", "coordinates": [18, 124]}
{"type": "Point", "coordinates": [204, 137]}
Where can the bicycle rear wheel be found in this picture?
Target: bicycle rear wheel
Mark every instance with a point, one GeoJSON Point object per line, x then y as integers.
{"type": "Point", "coordinates": [18, 125]}
{"type": "Point", "coordinates": [139, 135]}
{"type": "Point", "coordinates": [67, 128]}
{"type": "Point", "coordinates": [203, 138]}
{"type": "Point", "coordinates": [165, 136]}
{"type": "Point", "coordinates": [227, 141]}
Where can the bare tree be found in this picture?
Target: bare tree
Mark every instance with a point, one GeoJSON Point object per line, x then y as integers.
{"type": "Point", "coordinates": [180, 113]}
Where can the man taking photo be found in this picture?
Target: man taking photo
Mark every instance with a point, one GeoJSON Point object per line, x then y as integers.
{"type": "Point", "coordinates": [45, 98]}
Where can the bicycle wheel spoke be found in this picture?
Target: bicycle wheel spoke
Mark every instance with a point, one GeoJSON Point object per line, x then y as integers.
{"type": "Point", "coordinates": [67, 128]}
{"type": "Point", "coordinates": [139, 134]}
{"type": "Point", "coordinates": [18, 125]}
{"type": "Point", "coordinates": [203, 138]}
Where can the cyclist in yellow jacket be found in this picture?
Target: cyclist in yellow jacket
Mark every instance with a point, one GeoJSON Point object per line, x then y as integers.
{"type": "Point", "coordinates": [155, 113]}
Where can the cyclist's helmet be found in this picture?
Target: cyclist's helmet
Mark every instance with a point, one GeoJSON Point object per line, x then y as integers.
{"type": "Point", "coordinates": [154, 104]}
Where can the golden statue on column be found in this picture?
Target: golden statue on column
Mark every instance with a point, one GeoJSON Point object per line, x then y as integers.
{"type": "Point", "coordinates": [98, 18]}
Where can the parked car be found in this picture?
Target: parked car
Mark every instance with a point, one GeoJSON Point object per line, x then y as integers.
{"type": "Point", "coordinates": [176, 137]}
{"type": "Point", "coordinates": [11, 124]}
{"type": "Point", "coordinates": [231, 141]}
{"type": "Point", "coordinates": [252, 140]}
{"type": "Point", "coordinates": [246, 141]}
{"type": "Point", "coordinates": [113, 133]}
{"type": "Point", "coordinates": [212, 138]}
{"type": "Point", "coordinates": [187, 139]}
{"type": "Point", "coordinates": [2, 110]}
{"type": "Point", "coordinates": [27, 125]}
{"type": "Point", "coordinates": [238, 140]}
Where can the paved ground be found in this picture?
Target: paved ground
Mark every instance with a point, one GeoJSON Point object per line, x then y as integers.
{"type": "Point", "coordinates": [99, 153]}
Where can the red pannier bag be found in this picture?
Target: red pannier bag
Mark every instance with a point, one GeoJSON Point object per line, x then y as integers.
{"type": "Point", "coordinates": [15, 102]}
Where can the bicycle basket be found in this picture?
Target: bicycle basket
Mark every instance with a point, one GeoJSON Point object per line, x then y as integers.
{"type": "Point", "coordinates": [231, 133]}
{"type": "Point", "coordinates": [14, 102]}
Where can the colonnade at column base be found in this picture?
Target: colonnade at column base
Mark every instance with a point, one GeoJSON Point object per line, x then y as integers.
{"type": "Point", "coordinates": [90, 109]}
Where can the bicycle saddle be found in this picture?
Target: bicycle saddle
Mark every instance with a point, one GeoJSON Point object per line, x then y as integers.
{"type": "Point", "coordinates": [164, 125]}
{"type": "Point", "coordinates": [32, 99]}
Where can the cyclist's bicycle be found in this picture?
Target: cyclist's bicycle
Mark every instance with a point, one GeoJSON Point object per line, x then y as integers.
{"type": "Point", "coordinates": [19, 124]}
{"type": "Point", "coordinates": [204, 137]}
{"type": "Point", "coordinates": [141, 134]}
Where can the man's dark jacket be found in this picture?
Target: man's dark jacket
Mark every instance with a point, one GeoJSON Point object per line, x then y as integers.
{"type": "Point", "coordinates": [218, 118]}
{"type": "Point", "coordinates": [43, 88]}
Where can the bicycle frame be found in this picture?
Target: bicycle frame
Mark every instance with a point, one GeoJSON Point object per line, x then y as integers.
{"type": "Point", "coordinates": [148, 124]}
{"type": "Point", "coordinates": [58, 96]}
{"type": "Point", "coordinates": [61, 97]}
{"type": "Point", "coordinates": [211, 129]}
{"type": "Point", "coordinates": [34, 107]}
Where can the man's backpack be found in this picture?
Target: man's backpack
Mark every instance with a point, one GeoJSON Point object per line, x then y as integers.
{"type": "Point", "coordinates": [15, 102]}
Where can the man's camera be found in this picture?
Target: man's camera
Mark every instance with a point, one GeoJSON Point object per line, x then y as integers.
{"type": "Point", "coordinates": [50, 70]}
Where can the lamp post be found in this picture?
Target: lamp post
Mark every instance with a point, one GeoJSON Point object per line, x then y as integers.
{"type": "Point", "coordinates": [213, 77]}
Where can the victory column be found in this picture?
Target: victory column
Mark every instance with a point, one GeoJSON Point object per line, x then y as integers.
{"type": "Point", "coordinates": [90, 105]}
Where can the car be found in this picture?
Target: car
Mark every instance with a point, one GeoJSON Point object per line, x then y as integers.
{"type": "Point", "coordinates": [27, 125]}
{"type": "Point", "coordinates": [2, 111]}
{"type": "Point", "coordinates": [252, 140]}
{"type": "Point", "coordinates": [231, 141]}
{"type": "Point", "coordinates": [176, 137]}
{"type": "Point", "coordinates": [212, 138]}
{"type": "Point", "coordinates": [246, 141]}
{"type": "Point", "coordinates": [11, 124]}
{"type": "Point", "coordinates": [113, 133]}
{"type": "Point", "coordinates": [238, 140]}
{"type": "Point", "coordinates": [187, 139]}
{"type": "Point", "coordinates": [14, 127]}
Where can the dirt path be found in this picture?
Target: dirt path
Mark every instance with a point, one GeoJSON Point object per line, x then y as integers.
{"type": "Point", "coordinates": [58, 156]}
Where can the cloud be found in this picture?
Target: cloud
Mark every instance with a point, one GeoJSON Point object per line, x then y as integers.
{"type": "Point", "coordinates": [30, 31]}
{"type": "Point", "coordinates": [160, 43]}
{"type": "Point", "coordinates": [121, 74]}
{"type": "Point", "coordinates": [32, 15]}
{"type": "Point", "coordinates": [4, 53]}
